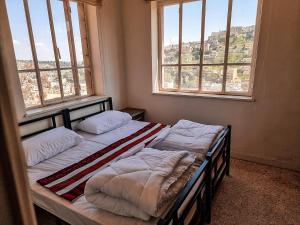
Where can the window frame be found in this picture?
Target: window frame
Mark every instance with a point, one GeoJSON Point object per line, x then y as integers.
{"type": "Point", "coordinates": [225, 64]}
{"type": "Point", "coordinates": [83, 26]}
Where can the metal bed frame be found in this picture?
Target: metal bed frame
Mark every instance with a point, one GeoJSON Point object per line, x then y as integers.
{"type": "Point", "coordinates": [208, 176]}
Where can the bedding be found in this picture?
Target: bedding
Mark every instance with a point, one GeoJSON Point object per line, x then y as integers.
{"type": "Point", "coordinates": [69, 183]}
{"type": "Point", "coordinates": [80, 211]}
{"type": "Point", "coordinates": [152, 179]}
{"type": "Point", "coordinates": [190, 136]}
{"type": "Point", "coordinates": [104, 122]}
{"type": "Point", "coordinates": [48, 144]}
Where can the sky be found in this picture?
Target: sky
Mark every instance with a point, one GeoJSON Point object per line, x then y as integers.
{"type": "Point", "coordinates": [41, 29]}
{"type": "Point", "coordinates": [243, 14]}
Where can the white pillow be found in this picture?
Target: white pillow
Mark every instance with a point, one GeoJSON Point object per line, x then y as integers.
{"type": "Point", "coordinates": [48, 144]}
{"type": "Point", "coordinates": [104, 122]}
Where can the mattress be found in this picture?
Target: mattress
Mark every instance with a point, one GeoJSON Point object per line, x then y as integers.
{"type": "Point", "coordinates": [80, 212]}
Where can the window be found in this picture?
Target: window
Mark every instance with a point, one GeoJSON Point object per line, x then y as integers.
{"type": "Point", "coordinates": [51, 49]}
{"type": "Point", "coordinates": [207, 46]}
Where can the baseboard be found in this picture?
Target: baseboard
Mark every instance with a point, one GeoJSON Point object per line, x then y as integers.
{"type": "Point", "coordinates": [266, 161]}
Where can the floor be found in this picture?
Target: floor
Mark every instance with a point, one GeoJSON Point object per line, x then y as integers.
{"type": "Point", "coordinates": [257, 195]}
{"type": "Point", "coordinates": [253, 195]}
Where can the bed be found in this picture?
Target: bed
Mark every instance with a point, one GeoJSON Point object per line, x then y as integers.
{"type": "Point", "coordinates": [191, 206]}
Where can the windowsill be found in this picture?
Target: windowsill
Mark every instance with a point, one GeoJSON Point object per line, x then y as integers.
{"type": "Point", "coordinates": [54, 108]}
{"type": "Point", "coordinates": [212, 96]}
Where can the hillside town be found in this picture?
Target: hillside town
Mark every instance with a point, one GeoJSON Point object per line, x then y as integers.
{"type": "Point", "coordinates": [49, 80]}
{"type": "Point", "coordinates": [240, 51]}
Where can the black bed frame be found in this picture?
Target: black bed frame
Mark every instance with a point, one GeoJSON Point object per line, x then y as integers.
{"type": "Point", "coordinates": [208, 176]}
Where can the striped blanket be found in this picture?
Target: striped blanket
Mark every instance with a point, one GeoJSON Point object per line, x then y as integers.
{"type": "Point", "coordinates": [69, 183]}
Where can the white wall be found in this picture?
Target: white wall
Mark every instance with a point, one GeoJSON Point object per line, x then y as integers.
{"type": "Point", "coordinates": [112, 50]}
{"type": "Point", "coordinates": [267, 130]}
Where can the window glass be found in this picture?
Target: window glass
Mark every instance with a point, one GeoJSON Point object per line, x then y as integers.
{"type": "Point", "coordinates": [50, 83]}
{"type": "Point", "coordinates": [18, 27]}
{"type": "Point", "coordinates": [30, 89]}
{"type": "Point", "coordinates": [212, 78]}
{"type": "Point", "coordinates": [42, 35]}
{"type": "Point", "coordinates": [61, 34]}
{"type": "Point", "coordinates": [170, 77]}
{"type": "Point", "coordinates": [242, 31]}
{"type": "Point", "coordinates": [170, 34]}
{"type": "Point", "coordinates": [190, 77]}
{"type": "Point", "coordinates": [82, 81]}
{"type": "Point", "coordinates": [215, 31]}
{"type": "Point", "coordinates": [51, 27]}
{"type": "Point", "coordinates": [68, 82]}
{"type": "Point", "coordinates": [238, 78]}
{"type": "Point", "coordinates": [76, 33]}
{"type": "Point", "coordinates": [191, 32]}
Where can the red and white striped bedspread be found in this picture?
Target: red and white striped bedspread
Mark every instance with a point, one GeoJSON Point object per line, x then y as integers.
{"type": "Point", "coordinates": [69, 183]}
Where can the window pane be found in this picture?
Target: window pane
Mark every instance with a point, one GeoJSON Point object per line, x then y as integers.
{"type": "Point", "coordinates": [215, 31]}
{"type": "Point", "coordinates": [30, 89]}
{"type": "Point", "coordinates": [76, 32]}
{"type": "Point", "coordinates": [50, 85]}
{"type": "Point", "coordinates": [170, 77]}
{"type": "Point", "coordinates": [18, 27]}
{"type": "Point", "coordinates": [68, 82]}
{"type": "Point", "coordinates": [60, 28]}
{"type": "Point", "coordinates": [41, 33]}
{"type": "Point", "coordinates": [242, 31]}
{"type": "Point", "coordinates": [171, 34]}
{"type": "Point", "coordinates": [212, 78]}
{"type": "Point", "coordinates": [238, 78]}
{"type": "Point", "coordinates": [82, 81]}
{"type": "Point", "coordinates": [191, 32]}
{"type": "Point", "coordinates": [190, 77]}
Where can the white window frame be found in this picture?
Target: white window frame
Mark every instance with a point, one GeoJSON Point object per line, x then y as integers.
{"type": "Point", "coordinates": [157, 52]}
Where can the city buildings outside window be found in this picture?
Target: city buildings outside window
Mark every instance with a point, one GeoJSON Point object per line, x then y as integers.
{"type": "Point", "coordinates": [51, 49]}
{"type": "Point", "coordinates": [207, 46]}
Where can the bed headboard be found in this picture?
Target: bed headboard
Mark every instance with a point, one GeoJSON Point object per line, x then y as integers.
{"type": "Point", "coordinates": [52, 118]}
{"type": "Point", "coordinates": [105, 104]}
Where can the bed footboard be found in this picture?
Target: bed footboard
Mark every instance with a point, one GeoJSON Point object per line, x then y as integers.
{"type": "Point", "coordinates": [219, 155]}
{"type": "Point", "coordinates": [199, 202]}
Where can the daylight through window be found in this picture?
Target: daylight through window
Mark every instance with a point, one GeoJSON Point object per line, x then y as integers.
{"type": "Point", "coordinates": [51, 48]}
{"type": "Point", "coordinates": [207, 46]}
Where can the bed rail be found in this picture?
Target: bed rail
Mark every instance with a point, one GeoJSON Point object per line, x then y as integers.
{"type": "Point", "coordinates": [219, 155]}
{"type": "Point", "coordinates": [36, 120]}
{"type": "Point", "coordinates": [213, 171]}
{"type": "Point", "coordinates": [199, 198]}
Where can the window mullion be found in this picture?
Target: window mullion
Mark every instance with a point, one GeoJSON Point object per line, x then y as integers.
{"type": "Point", "coordinates": [53, 36]}
{"type": "Point", "coordinates": [84, 33]}
{"type": "Point", "coordinates": [160, 43]}
{"type": "Point", "coordinates": [180, 43]}
{"type": "Point", "coordinates": [227, 44]}
{"type": "Point", "coordinates": [202, 43]}
{"type": "Point", "coordinates": [72, 46]}
{"type": "Point", "coordinates": [33, 49]}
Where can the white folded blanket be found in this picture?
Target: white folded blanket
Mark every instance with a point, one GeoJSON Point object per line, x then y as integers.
{"type": "Point", "coordinates": [142, 185]}
{"type": "Point", "coordinates": [186, 135]}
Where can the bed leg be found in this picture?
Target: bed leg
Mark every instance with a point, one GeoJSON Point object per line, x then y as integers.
{"type": "Point", "coordinates": [228, 151]}
{"type": "Point", "coordinates": [208, 190]}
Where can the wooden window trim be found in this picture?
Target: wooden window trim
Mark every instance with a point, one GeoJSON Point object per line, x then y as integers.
{"type": "Point", "coordinates": [225, 64]}
{"type": "Point", "coordinates": [85, 48]}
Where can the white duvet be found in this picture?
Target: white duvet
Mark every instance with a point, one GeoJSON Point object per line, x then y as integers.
{"type": "Point", "coordinates": [186, 135]}
{"type": "Point", "coordinates": [142, 185]}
